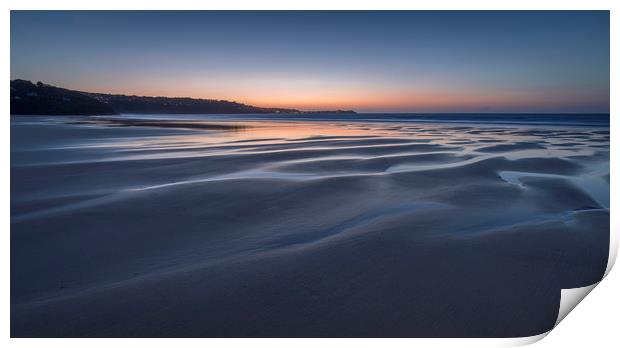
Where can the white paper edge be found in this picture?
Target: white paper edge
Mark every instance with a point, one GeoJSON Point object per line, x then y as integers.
{"type": "Point", "coordinates": [570, 298]}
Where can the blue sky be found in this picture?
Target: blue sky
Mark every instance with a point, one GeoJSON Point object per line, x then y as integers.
{"type": "Point", "coordinates": [407, 61]}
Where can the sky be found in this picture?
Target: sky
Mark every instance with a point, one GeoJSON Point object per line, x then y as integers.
{"type": "Point", "coordinates": [368, 61]}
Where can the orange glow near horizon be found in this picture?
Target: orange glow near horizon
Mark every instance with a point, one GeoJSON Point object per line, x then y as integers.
{"type": "Point", "coordinates": [364, 99]}
{"type": "Point", "coordinates": [406, 61]}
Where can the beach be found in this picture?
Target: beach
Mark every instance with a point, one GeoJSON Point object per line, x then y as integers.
{"type": "Point", "coordinates": [160, 226]}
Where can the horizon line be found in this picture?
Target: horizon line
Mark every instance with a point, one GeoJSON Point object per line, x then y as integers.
{"type": "Point", "coordinates": [328, 110]}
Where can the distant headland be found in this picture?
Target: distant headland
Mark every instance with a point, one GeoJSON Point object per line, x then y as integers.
{"type": "Point", "coordinates": [28, 98]}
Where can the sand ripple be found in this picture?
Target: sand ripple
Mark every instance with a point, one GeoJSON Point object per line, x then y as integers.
{"type": "Point", "coordinates": [261, 228]}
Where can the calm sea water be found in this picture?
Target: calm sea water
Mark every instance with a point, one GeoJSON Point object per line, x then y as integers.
{"type": "Point", "coordinates": [487, 118]}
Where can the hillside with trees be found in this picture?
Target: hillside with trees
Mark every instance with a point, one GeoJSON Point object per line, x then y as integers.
{"type": "Point", "coordinates": [28, 98]}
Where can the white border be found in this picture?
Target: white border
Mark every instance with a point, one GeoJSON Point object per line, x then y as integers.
{"type": "Point", "coordinates": [316, 5]}
{"type": "Point", "coordinates": [595, 320]}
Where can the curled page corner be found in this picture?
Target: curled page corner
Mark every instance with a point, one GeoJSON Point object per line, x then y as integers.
{"type": "Point", "coordinates": [570, 298]}
{"type": "Point", "coordinates": [524, 341]}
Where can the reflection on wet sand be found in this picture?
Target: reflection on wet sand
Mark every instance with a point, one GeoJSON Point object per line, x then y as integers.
{"type": "Point", "coordinates": [300, 228]}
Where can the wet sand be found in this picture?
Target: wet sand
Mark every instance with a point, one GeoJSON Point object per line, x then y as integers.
{"type": "Point", "coordinates": [301, 229]}
{"type": "Point", "coordinates": [120, 122]}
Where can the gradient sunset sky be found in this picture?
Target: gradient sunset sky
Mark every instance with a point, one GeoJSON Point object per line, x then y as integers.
{"type": "Point", "coordinates": [473, 61]}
